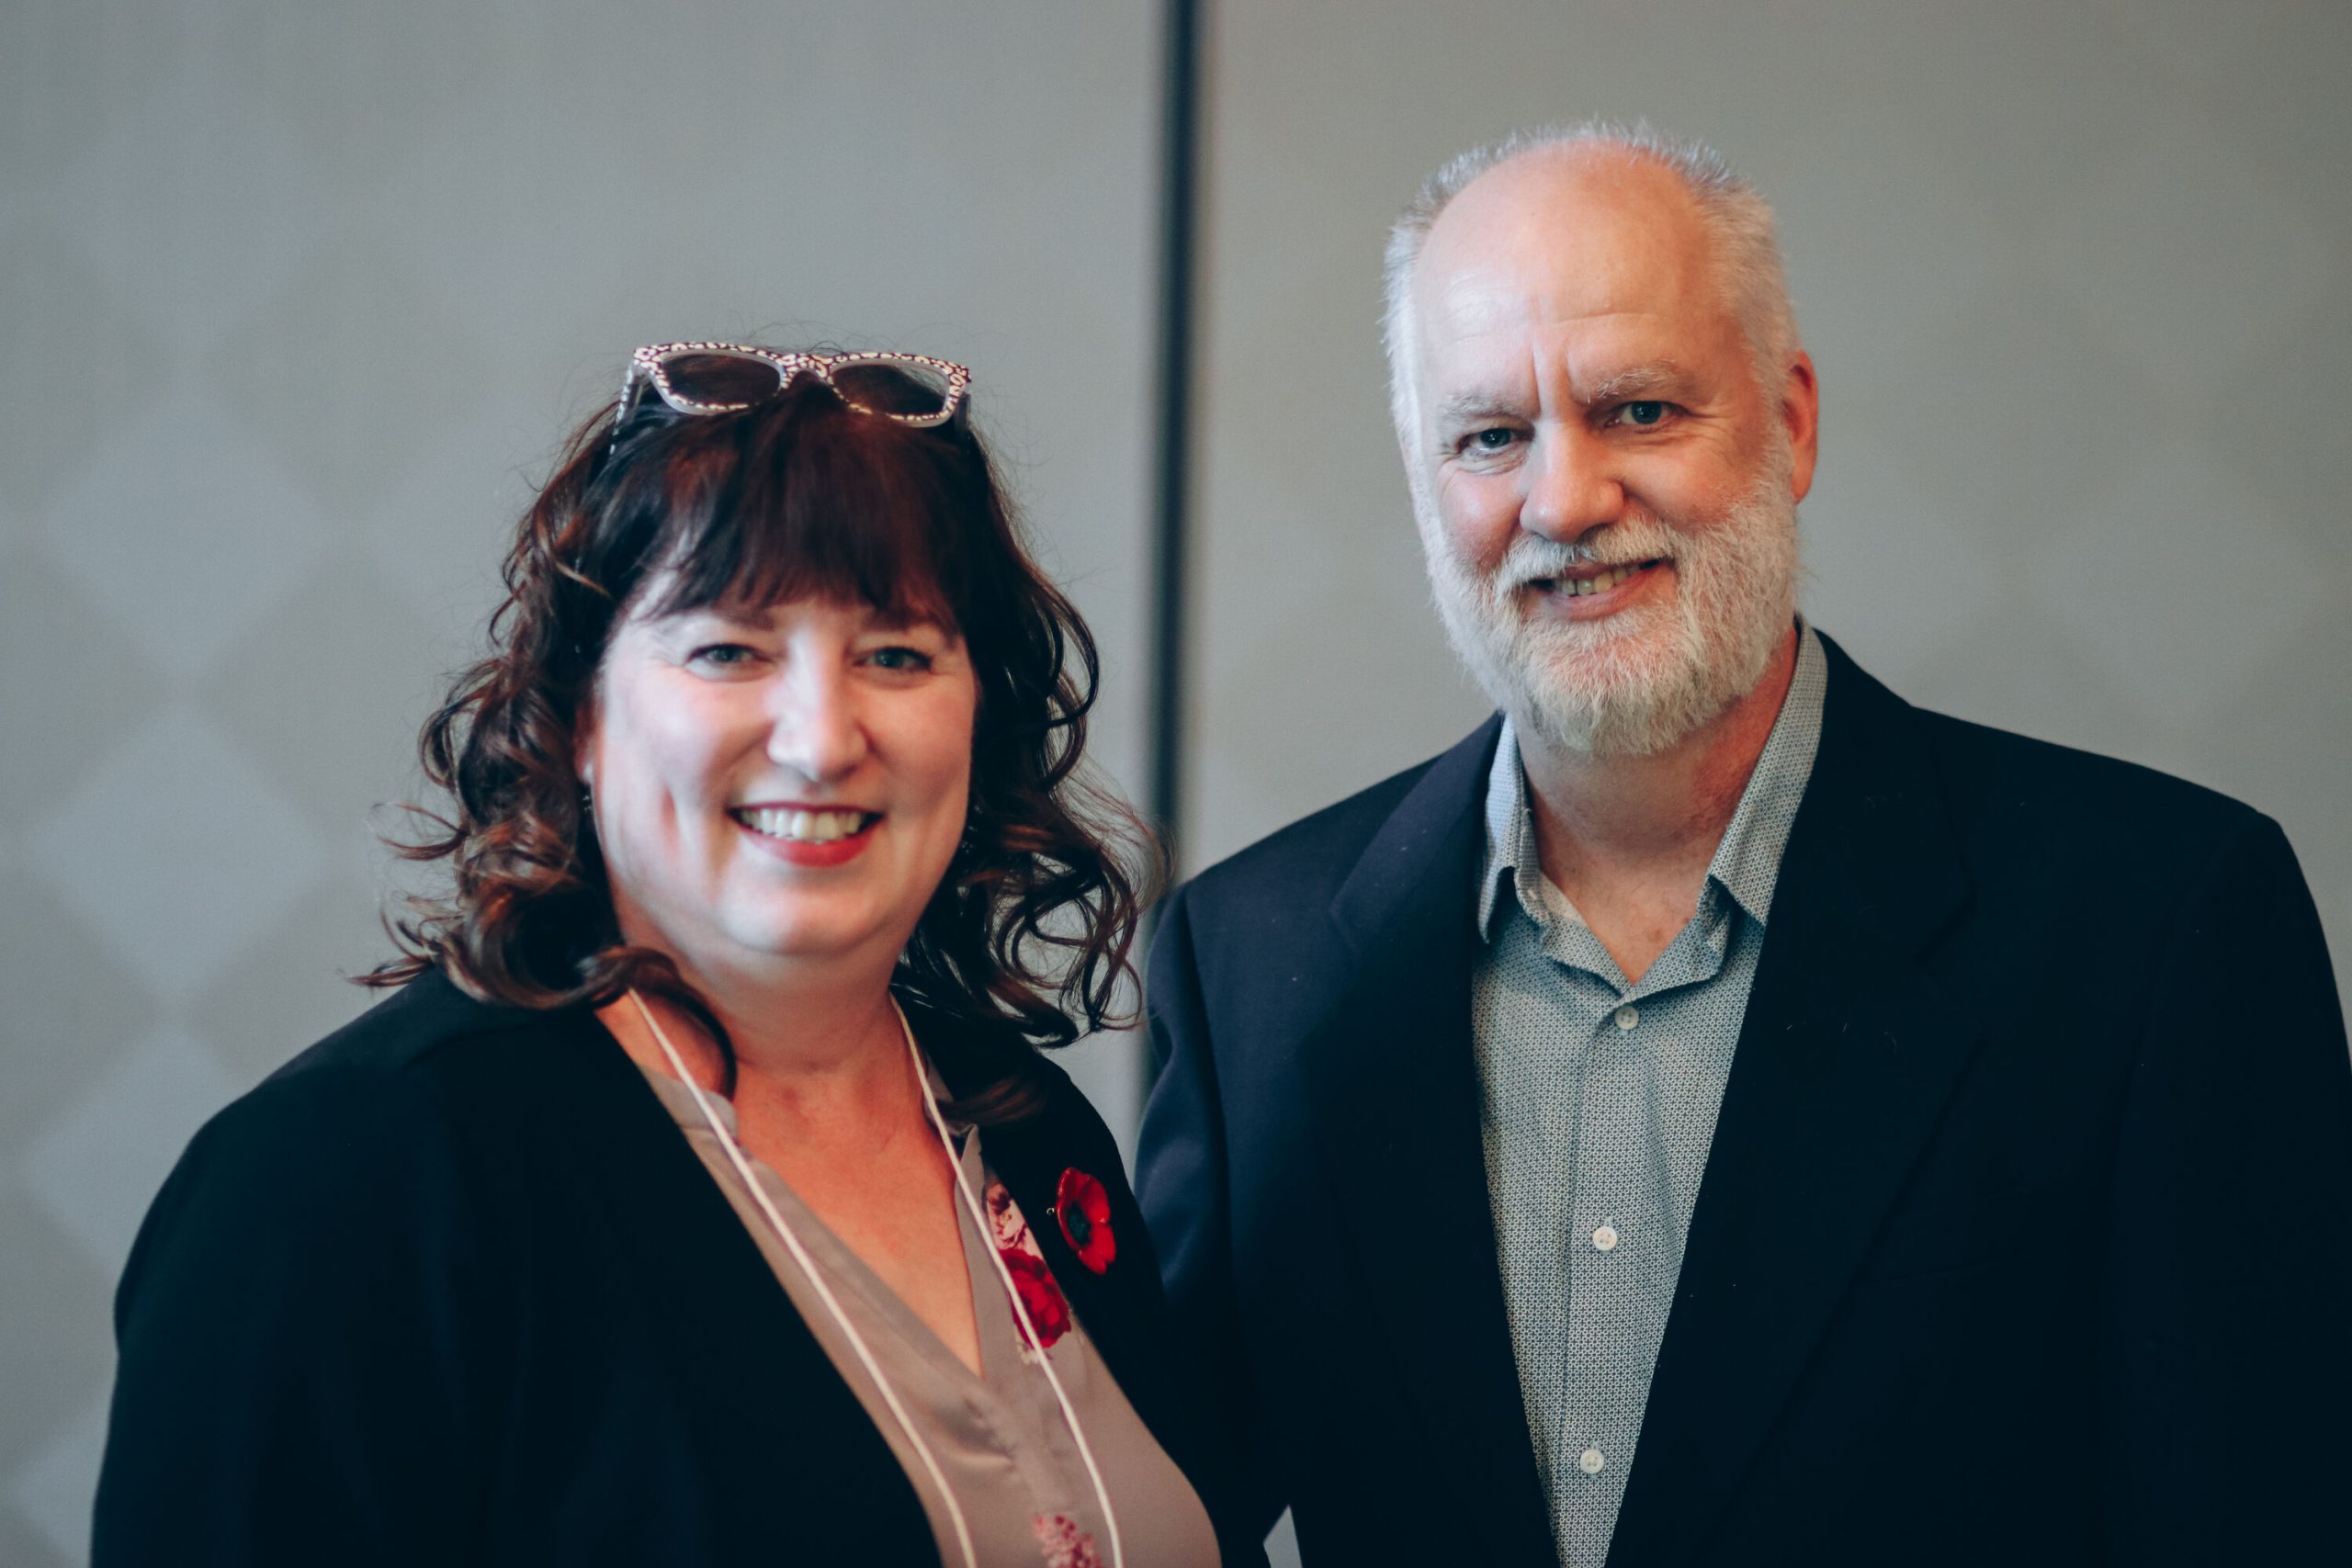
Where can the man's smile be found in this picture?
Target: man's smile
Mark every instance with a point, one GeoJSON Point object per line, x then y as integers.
{"type": "Point", "coordinates": [1592, 590]}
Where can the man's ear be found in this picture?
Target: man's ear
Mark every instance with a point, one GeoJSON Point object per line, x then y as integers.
{"type": "Point", "coordinates": [1800, 417]}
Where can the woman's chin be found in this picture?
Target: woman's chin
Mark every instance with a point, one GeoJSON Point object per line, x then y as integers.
{"type": "Point", "coordinates": [808, 940]}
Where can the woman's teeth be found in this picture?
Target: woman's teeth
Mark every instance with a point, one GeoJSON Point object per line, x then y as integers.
{"type": "Point", "coordinates": [808, 827]}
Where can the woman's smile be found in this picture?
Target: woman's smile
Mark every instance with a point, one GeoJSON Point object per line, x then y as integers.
{"type": "Point", "coordinates": [809, 835]}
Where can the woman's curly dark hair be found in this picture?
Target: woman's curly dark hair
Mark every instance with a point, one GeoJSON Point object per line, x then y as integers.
{"type": "Point", "coordinates": [1029, 934]}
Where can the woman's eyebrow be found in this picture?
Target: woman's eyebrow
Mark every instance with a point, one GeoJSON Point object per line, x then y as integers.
{"type": "Point", "coordinates": [913, 621]}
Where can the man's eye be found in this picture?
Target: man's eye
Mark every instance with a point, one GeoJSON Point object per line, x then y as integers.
{"type": "Point", "coordinates": [1494, 438]}
{"type": "Point", "coordinates": [1647, 412]}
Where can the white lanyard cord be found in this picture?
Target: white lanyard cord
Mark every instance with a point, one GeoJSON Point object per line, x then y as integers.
{"type": "Point", "coordinates": [1012, 1294]}
{"type": "Point", "coordinates": [824, 1292]}
{"type": "Point", "coordinates": [857, 1342]}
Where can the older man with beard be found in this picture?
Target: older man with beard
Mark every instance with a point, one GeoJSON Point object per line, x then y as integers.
{"type": "Point", "coordinates": [1718, 1114]}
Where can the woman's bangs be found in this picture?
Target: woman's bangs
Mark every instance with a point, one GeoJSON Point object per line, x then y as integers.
{"type": "Point", "coordinates": [829, 505]}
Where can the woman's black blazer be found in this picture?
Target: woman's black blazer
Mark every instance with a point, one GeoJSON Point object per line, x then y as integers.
{"type": "Point", "coordinates": [449, 1288]}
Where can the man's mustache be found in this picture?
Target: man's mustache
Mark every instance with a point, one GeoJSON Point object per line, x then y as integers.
{"type": "Point", "coordinates": [1534, 559]}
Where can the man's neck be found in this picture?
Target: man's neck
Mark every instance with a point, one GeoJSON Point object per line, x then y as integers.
{"type": "Point", "coordinates": [1629, 839]}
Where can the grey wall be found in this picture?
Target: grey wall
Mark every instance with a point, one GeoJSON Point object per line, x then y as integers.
{"type": "Point", "coordinates": [300, 295]}
{"type": "Point", "coordinates": [297, 298]}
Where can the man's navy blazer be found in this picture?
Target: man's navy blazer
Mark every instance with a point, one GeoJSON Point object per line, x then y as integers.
{"type": "Point", "coordinates": [2025, 1239]}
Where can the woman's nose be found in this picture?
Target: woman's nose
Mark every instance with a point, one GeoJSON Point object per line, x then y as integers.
{"type": "Point", "coordinates": [816, 728]}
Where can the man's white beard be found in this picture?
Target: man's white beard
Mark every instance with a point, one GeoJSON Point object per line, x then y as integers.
{"type": "Point", "coordinates": [1637, 682]}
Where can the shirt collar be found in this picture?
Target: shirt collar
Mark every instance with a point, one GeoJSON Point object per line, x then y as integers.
{"type": "Point", "coordinates": [1746, 863]}
{"type": "Point", "coordinates": [1511, 867]}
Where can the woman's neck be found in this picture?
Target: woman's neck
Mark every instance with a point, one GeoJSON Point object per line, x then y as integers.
{"type": "Point", "coordinates": [820, 1038]}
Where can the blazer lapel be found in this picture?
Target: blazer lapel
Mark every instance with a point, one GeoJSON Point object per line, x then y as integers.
{"type": "Point", "coordinates": [675, 1284]}
{"type": "Point", "coordinates": [1846, 1056]}
{"type": "Point", "coordinates": [729, 1325]}
{"type": "Point", "coordinates": [1397, 1089]}
{"type": "Point", "coordinates": [1120, 1306]}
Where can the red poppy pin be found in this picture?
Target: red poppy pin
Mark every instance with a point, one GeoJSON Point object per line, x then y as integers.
{"type": "Point", "coordinates": [1084, 1210]}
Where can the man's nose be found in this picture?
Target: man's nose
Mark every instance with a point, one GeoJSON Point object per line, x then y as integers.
{"type": "Point", "coordinates": [1572, 483]}
{"type": "Point", "coordinates": [817, 726]}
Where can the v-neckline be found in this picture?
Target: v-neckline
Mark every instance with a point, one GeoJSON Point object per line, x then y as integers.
{"type": "Point", "coordinates": [997, 1331]}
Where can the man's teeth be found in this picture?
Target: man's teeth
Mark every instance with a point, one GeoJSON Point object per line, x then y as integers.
{"type": "Point", "coordinates": [1578, 587]}
{"type": "Point", "coordinates": [808, 826]}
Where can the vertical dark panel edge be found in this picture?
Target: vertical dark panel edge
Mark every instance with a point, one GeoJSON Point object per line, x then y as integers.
{"type": "Point", "coordinates": [1172, 438]}
{"type": "Point", "coordinates": [1170, 521]}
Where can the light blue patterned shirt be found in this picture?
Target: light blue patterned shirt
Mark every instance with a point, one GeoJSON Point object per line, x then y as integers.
{"type": "Point", "coordinates": [1599, 1107]}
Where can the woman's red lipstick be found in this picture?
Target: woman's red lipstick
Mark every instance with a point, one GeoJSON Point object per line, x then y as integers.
{"type": "Point", "coordinates": [815, 836]}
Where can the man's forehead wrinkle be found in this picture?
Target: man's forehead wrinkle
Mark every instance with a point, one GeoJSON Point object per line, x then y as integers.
{"type": "Point", "coordinates": [1588, 361]}
{"type": "Point", "coordinates": [1482, 371]}
{"type": "Point", "coordinates": [1607, 288]}
{"type": "Point", "coordinates": [1491, 308]}
{"type": "Point", "coordinates": [1476, 300]}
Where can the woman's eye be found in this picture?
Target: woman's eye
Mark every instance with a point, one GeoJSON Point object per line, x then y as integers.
{"type": "Point", "coordinates": [899, 659]}
{"type": "Point", "coordinates": [721, 655]}
{"type": "Point", "coordinates": [1642, 414]}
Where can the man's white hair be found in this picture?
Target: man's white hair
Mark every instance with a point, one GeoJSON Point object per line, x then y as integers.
{"type": "Point", "coordinates": [1746, 253]}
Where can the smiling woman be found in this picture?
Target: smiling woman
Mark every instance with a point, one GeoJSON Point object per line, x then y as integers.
{"type": "Point", "coordinates": [691, 542]}
{"type": "Point", "coordinates": [652, 1218]}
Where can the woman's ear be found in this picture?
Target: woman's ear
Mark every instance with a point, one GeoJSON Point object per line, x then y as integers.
{"type": "Point", "coordinates": [583, 746]}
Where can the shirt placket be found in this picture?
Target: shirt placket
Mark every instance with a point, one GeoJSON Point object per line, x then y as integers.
{"type": "Point", "coordinates": [1614, 1228]}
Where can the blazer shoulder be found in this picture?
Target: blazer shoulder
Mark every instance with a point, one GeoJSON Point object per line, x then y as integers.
{"type": "Point", "coordinates": [1317, 852]}
{"type": "Point", "coordinates": [412, 1029]}
{"type": "Point", "coordinates": [1998, 776]}
{"type": "Point", "coordinates": [365, 1110]}
{"type": "Point", "coordinates": [430, 1041]}
{"type": "Point", "coordinates": [356, 1149]}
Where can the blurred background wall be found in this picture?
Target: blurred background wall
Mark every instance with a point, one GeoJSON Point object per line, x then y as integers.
{"type": "Point", "coordinates": [299, 297]}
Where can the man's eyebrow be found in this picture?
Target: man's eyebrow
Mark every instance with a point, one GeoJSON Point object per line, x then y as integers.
{"type": "Point", "coordinates": [1475, 404]}
{"type": "Point", "coordinates": [1635, 381]}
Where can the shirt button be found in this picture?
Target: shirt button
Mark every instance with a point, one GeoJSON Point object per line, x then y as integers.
{"type": "Point", "coordinates": [1590, 1462]}
{"type": "Point", "coordinates": [1628, 1016]}
{"type": "Point", "coordinates": [1605, 1238]}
